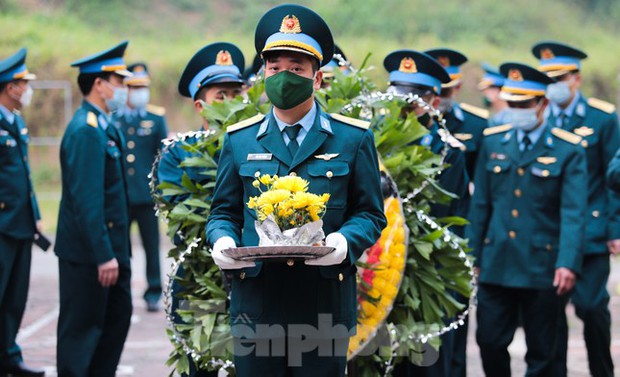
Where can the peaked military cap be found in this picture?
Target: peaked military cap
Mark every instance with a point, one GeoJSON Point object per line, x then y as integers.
{"type": "Point", "coordinates": [106, 61]}
{"type": "Point", "coordinates": [557, 59]}
{"type": "Point", "coordinates": [294, 28]}
{"type": "Point", "coordinates": [451, 60]}
{"type": "Point", "coordinates": [491, 77]}
{"type": "Point", "coordinates": [140, 76]}
{"type": "Point", "coordinates": [216, 63]}
{"type": "Point", "coordinates": [334, 63]}
{"type": "Point", "coordinates": [414, 69]}
{"type": "Point", "coordinates": [522, 82]}
{"type": "Point", "coordinates": [14, 68]}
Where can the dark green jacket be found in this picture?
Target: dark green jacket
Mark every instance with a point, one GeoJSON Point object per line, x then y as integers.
{"type": "Point", "coordinates": [613, 172]}
{"type": "Point", "coordinates": [143, 131]}
{"type": "Point", "coordinates": [93, 218]}
{"type": "Point", "coordinates": [528, 211]}
{"type": "Point", "coordinates": [598, 125]}
{"type": "Point", "coordinates": [275, 293]}
{"type": "Point", "coordinates": [18, 204]}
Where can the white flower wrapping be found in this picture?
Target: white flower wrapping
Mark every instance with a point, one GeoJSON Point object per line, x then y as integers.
{"type": "Point", "coordinates": [269, 234]}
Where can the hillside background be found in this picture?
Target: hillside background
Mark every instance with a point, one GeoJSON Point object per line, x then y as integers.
{"type": "Point", "coordinates": [166, 33]}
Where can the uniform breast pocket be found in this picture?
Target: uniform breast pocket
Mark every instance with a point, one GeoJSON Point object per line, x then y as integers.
{"type": "Point", "coordinates": [251, 170]}
{"type": "Point", "coordinates": [499, 172]}
{"type": "Point", "coordinates": [330, 177]}
{"type": "Point", "coordinates": [546, 181]}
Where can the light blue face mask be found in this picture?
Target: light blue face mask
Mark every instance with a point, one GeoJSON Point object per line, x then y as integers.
{"type": "Point", "coordinates": [524, 119]}
{"type": "Point", "coordinates": [139, 98]}
{"type": "Point", "coordinates": [119, 98]}
{"type": "Point", "coordinates": [559, 92]}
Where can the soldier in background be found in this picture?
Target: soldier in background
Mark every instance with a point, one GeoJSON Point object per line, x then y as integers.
{"type": "Point", "coordinates": [19, 212]}
{"type": "Point", "coordinates": [597, 122]}
{"type": "Point", "coordinates": [490, 86]}
{"type": "Point", "coordinates": [92, 241]}
{"type": "Point", "coordinates": [144, 127]}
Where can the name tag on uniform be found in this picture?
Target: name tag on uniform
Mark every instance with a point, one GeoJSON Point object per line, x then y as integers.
{"type": "Point", "coordinates": [259, 157]}
{"type": "Point", "coordinates": [547, 160]}
{"type": "Point", "coordinates": [498, 156]}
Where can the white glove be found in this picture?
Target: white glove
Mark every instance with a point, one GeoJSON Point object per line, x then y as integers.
{"type": "Point", "coordinates": [337, 241]}
{"type": "Point", "coordinates": [224, 262]}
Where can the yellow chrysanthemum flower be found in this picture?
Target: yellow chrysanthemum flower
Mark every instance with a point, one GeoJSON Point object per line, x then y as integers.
{"type": "Point", "coordinates": [265, 179]}
{"type": "Point", "coordinates": [291, 183]}
{"type": "Point", "coordinates": [273, 197]}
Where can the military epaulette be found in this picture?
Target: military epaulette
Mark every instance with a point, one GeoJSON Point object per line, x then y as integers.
{"type": "Point", "coordinates": [497, 129]}
{"type": "Point", "coordinates": [91, 119]}
{"type": "Point", "coordinates": [602, 105]}
{"type": "Point", "coordinates": [566, 135]}
{"type": "Point", "coordinates": [156, 110]}
{"type": "Point", "coordinates": [351, 121]}
{"type": "Point", "coordinates": [482, 113]}
{"type": "Point", "coordinates": [245, 123]}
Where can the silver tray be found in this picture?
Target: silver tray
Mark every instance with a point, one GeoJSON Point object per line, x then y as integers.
{"type": "Point", "coordinates": [277, 253]}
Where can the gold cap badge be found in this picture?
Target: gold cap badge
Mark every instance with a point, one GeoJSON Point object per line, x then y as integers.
{"type": "Point", "coordinates": [444, 61]}
{"type": "Point", "coordinates": [223, 58]}
{"type": "Point", "coordinates": [138, 69]}
{"type": "Point", "coordinates": [515, 75]}
{"type": "Point", "coordinates": [290, 25]}
{"type": "Point", "coordinates": [407, 65]}
{"type": "Point", "coordinates": [546, 53]}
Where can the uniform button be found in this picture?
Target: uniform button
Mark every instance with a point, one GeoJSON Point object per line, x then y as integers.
{"type": "Point", "coordinates": [512, 234]}
{"type": "Point", "coordinates": [497, 169]}
{"type": "Point", "coordinates": [2, 205]}
{"type": "Point", "coordinates": [242, 275]}
{"type": "Point", "coordinates": [545, 173]}
{"type": "Point", "coordinates": [549, 247]}
{"type": "Point", "coordinates": [257, 174]}
{"type": "Point", "coordinates": [131, 144]}
{"type": "Point", "coordinates": [521, 171]}
{"type": "Point", "coordinates": [596, 213]}
{"type": "Point", "coordinates": [131, 171]}
{"type": "Point", "coordinates": [131, 158]}
{"type": "Point", "coordinates": [340, 277]}
{"type": "Point", "coordinates": [111, 224]}
{"type": "Point", "coordinates": [329, 174]}
{"type": "Point", "coordinates": [293, 174]}
{"type": "Point", "coordinates": [487, 241]}
{"type": "Point", "coordinates": [290, 263]}
{"type": "Point", "coordinates": [584, 143]}
{"type": "Point", "coordinates": [25, 159]}
{"type": "Point", "coordinates": [515, 213]}
{"type": "Point", "coordinates": [131, 130]}
{"type": "Point", "coordinates": [518, 193]}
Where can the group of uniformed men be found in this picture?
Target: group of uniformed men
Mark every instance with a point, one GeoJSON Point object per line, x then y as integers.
{"type": "Point", "coordinates": [536, 180]}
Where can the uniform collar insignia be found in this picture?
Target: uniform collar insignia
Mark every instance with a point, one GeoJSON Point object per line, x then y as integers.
{"type": "Point", "coordinates": [581, 109]}
{"type": "Point", "coordinates": [426, 140]}
{"type": "Point", "coordinates": [458, 113]}
{"type": "Point", "coordinates": [326, 126]}
{"type": "Point", "coordinates": [263, 127]}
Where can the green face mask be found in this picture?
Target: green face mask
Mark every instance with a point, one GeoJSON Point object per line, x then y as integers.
{"type": "Point", "coordinates": [287, 90]}
{"type": "Point", "coordinates": [486, 102]}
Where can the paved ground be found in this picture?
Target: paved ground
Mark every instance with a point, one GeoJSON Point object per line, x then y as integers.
{"type": "Point", "coordinates": [147, 346]}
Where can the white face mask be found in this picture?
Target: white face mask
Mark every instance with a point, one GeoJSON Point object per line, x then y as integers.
{"type": "Point", "coordinates": [26, 97]}
{"type": "Point", "coordinates": [445, 105]}
{"type": "Point", "coordinates": [119, 98]}
{"type": "Point", "coordinates": [559, 92]}
{"type": "Point", "coordinates": [139, 98]}
{"type": "Point", "coordinates": [524, 119]}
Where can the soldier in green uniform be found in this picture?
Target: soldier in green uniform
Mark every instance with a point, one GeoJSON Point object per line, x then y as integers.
{"type": "Point", "coordinates": [597, 122]}
{"type": "Point", "coordinates": [144, 127]}
{"type": "Point", "coordinates": [490, 85]}
{"type": "Point", "coordinates": [212, 74]}
{"type": "Point", "coordinates": [613, 179]}
{"type": "Point", "coordinates": [416, 73]}
{"type": "Point", "coordinates": [282, 302]}
{"type": "Point", "coordinates": [527, 225]}
{"type": "Point", "coordinates": [466, 122]}
{"type": "Point", "coordinates": [92, 241]}
{"type": "Point", "coordinates": [19, 212]}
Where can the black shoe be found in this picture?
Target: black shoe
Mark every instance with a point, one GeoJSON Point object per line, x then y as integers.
{"type": "Point", "coordinates": [21, 370]}
{"type": "Point", "coordinates": [152, 306]}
